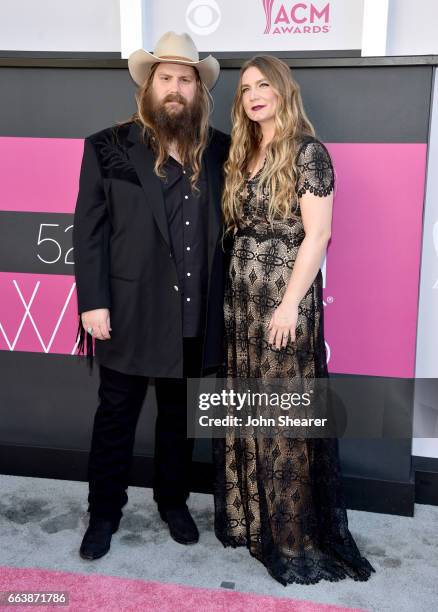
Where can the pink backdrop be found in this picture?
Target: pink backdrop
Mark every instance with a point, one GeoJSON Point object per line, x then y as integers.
{"type": "Point", "coordinates": [38, 312]}
{"type": "Point", "coordinates": [39, 174]}
{"type": "Point", "coordinates": [373, 260]}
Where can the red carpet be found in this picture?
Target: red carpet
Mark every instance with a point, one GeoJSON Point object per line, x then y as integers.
{"type": "Point", "coordinates": [97, 592]}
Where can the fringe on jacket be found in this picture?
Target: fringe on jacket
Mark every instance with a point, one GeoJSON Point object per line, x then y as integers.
{"type": "Point", "coordinates": [85, 345]}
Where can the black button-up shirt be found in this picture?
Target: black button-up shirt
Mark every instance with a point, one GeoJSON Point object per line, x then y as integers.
{"type": "Point", "coordinates": [188, 222]}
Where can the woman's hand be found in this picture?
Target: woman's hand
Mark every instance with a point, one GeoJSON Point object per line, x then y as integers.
{"type": "Point", "coordinates": [283, 324]}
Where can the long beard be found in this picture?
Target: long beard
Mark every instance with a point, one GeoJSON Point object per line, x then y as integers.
{"type": "Point", "coordinates": [181, 127]}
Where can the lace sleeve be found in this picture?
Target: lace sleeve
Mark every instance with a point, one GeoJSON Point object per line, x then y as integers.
{"type": "Point", "coordinates": [315, 169]}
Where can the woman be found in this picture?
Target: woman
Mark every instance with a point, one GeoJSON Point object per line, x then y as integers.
{"type": "Point", "coordinates": [281, 497]}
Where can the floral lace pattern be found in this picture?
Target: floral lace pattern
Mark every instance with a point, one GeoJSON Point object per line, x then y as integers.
{"type": "Point", "coordinates": [281, 497]}
{"type": "Point", "coordinates": [316, 173]}
{"type": "Point", "coordinates": [113, 155]}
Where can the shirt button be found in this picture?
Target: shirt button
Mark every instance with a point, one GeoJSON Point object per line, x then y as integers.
{"type": "Point", "coordinates": [186, 197]}
{"type": "Point", "coordinates": [188, 248]}
{"type": "Point", "coordinates": [175, 287]}
{"type": "Point", "coordinates": [188, 299]}
{"type": "Point", "coordinates": [188, 274]}
{"type": "Point", "coordinates": [187, 222]}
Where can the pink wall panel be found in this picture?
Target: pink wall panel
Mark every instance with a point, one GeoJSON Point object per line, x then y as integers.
{"type": "Point", "coordinates": [373, 260]}
{"type": "Point", "coordinates": [37, 312]}
{"type": "Point", "coordinates": [39, 174]}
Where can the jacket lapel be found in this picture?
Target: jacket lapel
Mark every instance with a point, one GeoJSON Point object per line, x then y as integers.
{"type": "Point", "coordinates": [142, 158]}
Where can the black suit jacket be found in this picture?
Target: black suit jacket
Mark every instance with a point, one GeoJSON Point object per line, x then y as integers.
{"type": "Point", "coordinates": [123, 258]}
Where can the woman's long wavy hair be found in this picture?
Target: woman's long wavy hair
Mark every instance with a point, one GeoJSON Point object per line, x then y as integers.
{"type": "Point", "coordinates": [279, 175]}
{"type": "Point", "coordinates": [190, 152]}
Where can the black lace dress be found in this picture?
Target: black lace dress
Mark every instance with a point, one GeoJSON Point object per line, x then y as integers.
{"type": "Point", "coordinates": [281, 497]}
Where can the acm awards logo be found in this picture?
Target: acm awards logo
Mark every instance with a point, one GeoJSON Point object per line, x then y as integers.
{"type": "Point", "coordinates": [203, 17]}
{"type": "Point", "coordinates": [296, 17]}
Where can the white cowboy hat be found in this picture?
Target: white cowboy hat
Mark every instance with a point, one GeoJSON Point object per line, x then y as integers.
{"type": "Point", "coordinates": [175, 49]}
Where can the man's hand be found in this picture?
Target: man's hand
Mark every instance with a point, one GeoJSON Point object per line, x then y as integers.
{"type": "Point", "coordinates": [99, 321]}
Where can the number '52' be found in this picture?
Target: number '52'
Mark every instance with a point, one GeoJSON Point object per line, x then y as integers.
{"type": "Point", "coordinates": [56, 246]}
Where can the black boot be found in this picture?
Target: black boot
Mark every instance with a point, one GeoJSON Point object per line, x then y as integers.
{"type": "Point", "coordinates": [97, 539]}
{"type": "Point", "coordinates": [181, 525]}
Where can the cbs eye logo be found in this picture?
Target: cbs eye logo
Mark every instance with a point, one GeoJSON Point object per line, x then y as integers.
{"type": "Point", "coordinates": [203, 16]}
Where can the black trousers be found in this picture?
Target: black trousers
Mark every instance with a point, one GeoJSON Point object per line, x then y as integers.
{"type": "Point", "coordinates": [121, 398]}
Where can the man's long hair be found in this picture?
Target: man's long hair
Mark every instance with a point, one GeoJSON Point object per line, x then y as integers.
{"type": "Point", "coordinates": [190, 133]}
{"type": "Point", "coordinates": [279, 175]}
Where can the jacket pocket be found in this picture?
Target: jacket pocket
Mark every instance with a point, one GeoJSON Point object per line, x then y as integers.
{"type": "Point", "coordinates": [122, 278]}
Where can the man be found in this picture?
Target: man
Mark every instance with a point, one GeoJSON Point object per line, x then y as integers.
{"type": "Point", "coordinates": [149, 273]}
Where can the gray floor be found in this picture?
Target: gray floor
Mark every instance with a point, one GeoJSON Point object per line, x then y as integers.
{"type": "Point", "coordinates": [42, 523]}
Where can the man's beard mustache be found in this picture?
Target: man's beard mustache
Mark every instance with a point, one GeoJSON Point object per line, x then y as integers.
{"type": "Point", "coordinates": [180, 126]}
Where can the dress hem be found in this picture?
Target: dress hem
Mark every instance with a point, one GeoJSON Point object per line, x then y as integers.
{"type": "Point", "coordinates": [362, 575]}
